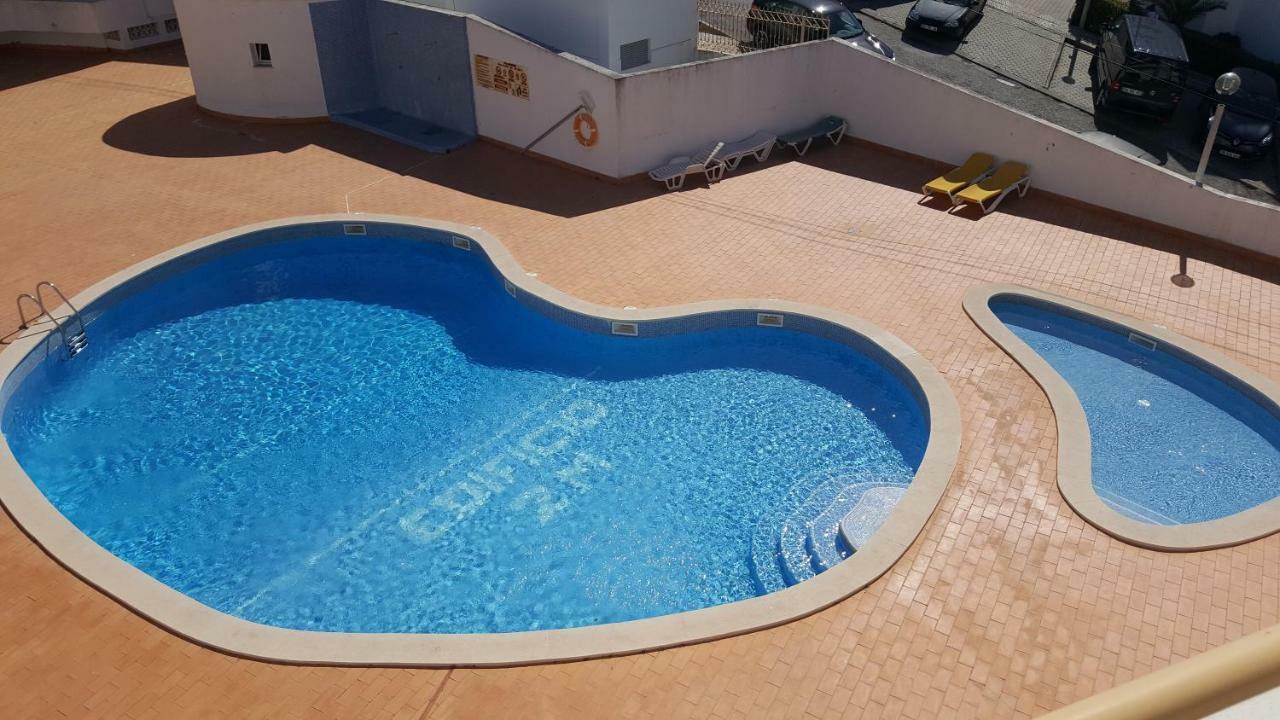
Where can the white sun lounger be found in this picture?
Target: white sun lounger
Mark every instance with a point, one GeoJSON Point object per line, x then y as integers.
{"type": "Point", "coordinates": [830, 126]}
{"type": "Point", "coordinates": [678, 168]}
{"type": "Point", "coordinates": [758, 146]}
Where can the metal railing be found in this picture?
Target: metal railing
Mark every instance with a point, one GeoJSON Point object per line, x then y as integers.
{"type": "Point", "coordinates": [732, 27]}
{"type": "Point", "coordinates": [70, 328]}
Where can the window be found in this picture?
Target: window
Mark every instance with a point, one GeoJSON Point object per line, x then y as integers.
{"type": "Point", "coordinates": [635, 54]}
{"type": "Point", "coordinates": [171, 25]}
{"type": "Point", "coordinates": [261, 54]}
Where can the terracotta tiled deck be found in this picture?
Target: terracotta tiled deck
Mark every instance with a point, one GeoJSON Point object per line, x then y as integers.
{"type": "Point", "coordinates": [1008, 605]}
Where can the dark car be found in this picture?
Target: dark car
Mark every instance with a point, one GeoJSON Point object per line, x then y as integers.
{"type": "Point", "coordinates": [771, 24]}
{"type": "Point", "coordinates": [945, 17]}
{"type": "Point", "coordinates": [1140, 66]}
{"type": "Point", "coordinates": [1249, 123]}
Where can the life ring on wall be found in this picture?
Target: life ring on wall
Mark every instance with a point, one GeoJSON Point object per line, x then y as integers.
{"type": "Point", "coordinates": [586, 130]}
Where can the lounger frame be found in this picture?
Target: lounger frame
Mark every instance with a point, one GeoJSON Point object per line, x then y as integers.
{"type": "Point", "coordinates": [1022, 186]}
{"type": "Point", "coordinates": [802, 146]}
{"type": "Point", "coordinates": [710, 166]}
{"type": "Point", "coordinates": [951, 194]}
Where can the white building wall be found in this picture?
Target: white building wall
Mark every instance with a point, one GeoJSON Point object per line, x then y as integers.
{"type": "Point", "coordinates": [671, 27]}
{"type": "Point", "coordinates": [218, 34]}
{"type": "Point", "coordinates": [556, 86]}
{"type": "Point", "coordinates": [81, 23]}
{"type": "Point", "coordinates": [594, 29]}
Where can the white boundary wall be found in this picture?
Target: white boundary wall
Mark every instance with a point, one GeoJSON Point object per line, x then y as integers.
{"type": "Point", "coordinates": [218, 34]}
{"type": "Point", "coordinates": [895, 106]}
{"type": "Point", "coordinates": [674, 110]}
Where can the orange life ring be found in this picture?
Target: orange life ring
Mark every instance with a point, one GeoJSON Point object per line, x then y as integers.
{"type": "Point", "coordinates": [586, 130]}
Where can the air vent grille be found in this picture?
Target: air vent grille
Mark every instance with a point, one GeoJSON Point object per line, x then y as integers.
{"type": "Point", "coordinates": [1142, 341]}
{"type": "Point", "coordinates": [629, 329]}
{"type": "Point", "coordinates": [634, 54]}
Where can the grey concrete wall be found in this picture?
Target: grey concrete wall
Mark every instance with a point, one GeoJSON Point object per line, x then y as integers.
{"type": "Point", "coordinates": [346, 59]}
{"type": "Point", "coordinates": [421, 63]}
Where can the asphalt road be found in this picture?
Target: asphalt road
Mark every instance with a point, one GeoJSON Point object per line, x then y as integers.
{"type": "Point", "coordinates": [1172, 142]}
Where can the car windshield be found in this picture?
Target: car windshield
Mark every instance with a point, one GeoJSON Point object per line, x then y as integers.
{"type": "Point", "coordinates": [961, 3]}
{"type": "Point", "coordinates": [844, 24]}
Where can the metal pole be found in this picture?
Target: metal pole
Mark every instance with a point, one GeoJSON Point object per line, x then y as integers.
{"type": "Point", "coordinates": [1084, 14]}
{"type": "Point", "coordinates": [1208, 144]}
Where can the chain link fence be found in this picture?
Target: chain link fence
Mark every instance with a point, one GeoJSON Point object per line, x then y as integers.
{"type": "Point", "coordinates": [726, 27]}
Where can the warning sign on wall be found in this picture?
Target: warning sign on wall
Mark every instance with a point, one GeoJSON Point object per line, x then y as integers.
{"type": "Point", "coordinates": [504, 77]}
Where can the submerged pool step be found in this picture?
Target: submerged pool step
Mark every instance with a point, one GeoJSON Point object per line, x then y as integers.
{"type": "Point", "coordinates": [802, 537]}
{"type": "Point", "coordinates": [825, 543]}
{"type": "Point", "coordinates": [873, 508]}
{"type": "Point", "coordinates": [779, 556]}
{"type": "Point", "coordinates": [801, 558]}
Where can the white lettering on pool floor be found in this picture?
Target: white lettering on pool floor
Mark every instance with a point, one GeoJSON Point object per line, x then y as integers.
{"type": "Point", "coordinates": [544, 445]}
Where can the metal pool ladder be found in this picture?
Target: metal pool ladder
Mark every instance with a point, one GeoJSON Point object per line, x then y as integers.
{"type": "Point", "coordinates": [70, 328]}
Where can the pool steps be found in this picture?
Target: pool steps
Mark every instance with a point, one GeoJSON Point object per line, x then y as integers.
{"type": "Point", "coordinates": [860, 510]}
{"type": "Point", "coordinates": [790, 547]}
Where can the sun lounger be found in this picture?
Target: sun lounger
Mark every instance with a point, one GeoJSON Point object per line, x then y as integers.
{"type": "Point", "coordinates": [831, 126]}
{"type": "Point", "coordinates": [978, 167]}
{"type": "Point", "coordinates": [758, 146]}
{"type": "Point", "coordinates": [678, 168]}
{"type": "Point", "coordinates": [988, 193]}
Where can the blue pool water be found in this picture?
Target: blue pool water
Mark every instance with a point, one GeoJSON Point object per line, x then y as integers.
{"type": "Point", "coordinates": [1172, 442]}
{"type": "Point", "coordinates": [371, 435]}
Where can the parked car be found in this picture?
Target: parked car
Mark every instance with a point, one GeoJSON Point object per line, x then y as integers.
{"type": "Point", "coordinates": [1249, 124]}
{"type": "Point", "coordinates": [1141, 66]}
{"type": "Point", "coordinates": [945, 17]}
{"type": "Point", "coordinates": [769, 27]}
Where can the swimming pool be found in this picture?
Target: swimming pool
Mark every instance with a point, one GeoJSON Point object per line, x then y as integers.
{"type": "Point", "coordinates": [1179, 446]}
{"type": "Point", "coordinates": [373, 429]}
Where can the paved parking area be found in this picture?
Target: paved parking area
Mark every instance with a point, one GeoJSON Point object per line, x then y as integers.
{"type": "Point", "coordinates": [1007, 605]}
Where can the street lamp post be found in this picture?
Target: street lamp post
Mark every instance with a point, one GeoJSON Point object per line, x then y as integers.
{"type": "Point", "coordinates": [1226, 85]}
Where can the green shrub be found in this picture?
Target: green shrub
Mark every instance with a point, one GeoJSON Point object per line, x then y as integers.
{"type": "Point", "coordinates": [1101, 13]}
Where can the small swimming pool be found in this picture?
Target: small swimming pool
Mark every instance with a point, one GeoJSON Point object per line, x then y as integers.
{"type": "Point", "coordinates": [1174, 439]}
{"type": "Point", "coordinates": [378, 433]}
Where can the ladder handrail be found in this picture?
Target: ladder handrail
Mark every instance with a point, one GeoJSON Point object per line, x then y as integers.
{"type": "Point", "coordinates": [25, 322]}
{"type": "Point", "coordinates": [75, 312]}
{"type": "Point", "coordinates": [59, 325]}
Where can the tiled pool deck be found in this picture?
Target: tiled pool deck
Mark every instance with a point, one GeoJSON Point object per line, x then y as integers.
{"type": "Point", "coordinates": [1008, 605]}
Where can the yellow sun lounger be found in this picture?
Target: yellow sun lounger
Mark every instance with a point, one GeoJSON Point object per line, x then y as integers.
{"type": "Point", "coordinates": [988, 193]}
{"type": "Point", "coordinates": [977, 167]}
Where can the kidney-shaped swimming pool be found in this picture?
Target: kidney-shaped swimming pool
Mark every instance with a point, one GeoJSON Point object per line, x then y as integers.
{"type": "Point", "coordinates": [315, 429]}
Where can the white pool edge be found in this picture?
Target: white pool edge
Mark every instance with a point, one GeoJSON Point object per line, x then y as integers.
{"type": "Point", "coordinates": [186, 617]}
{"type": "Point", "coordinates": [1075, 466]}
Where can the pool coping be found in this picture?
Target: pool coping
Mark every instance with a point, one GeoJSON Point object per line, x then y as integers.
{"type": "Point", "coordinates": [188, 618]}
{"type": "Point", "coordinates": [1075, 465]}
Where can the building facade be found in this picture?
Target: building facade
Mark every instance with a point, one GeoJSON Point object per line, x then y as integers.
{"type": "Point", "coordinates": [104, 24]}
